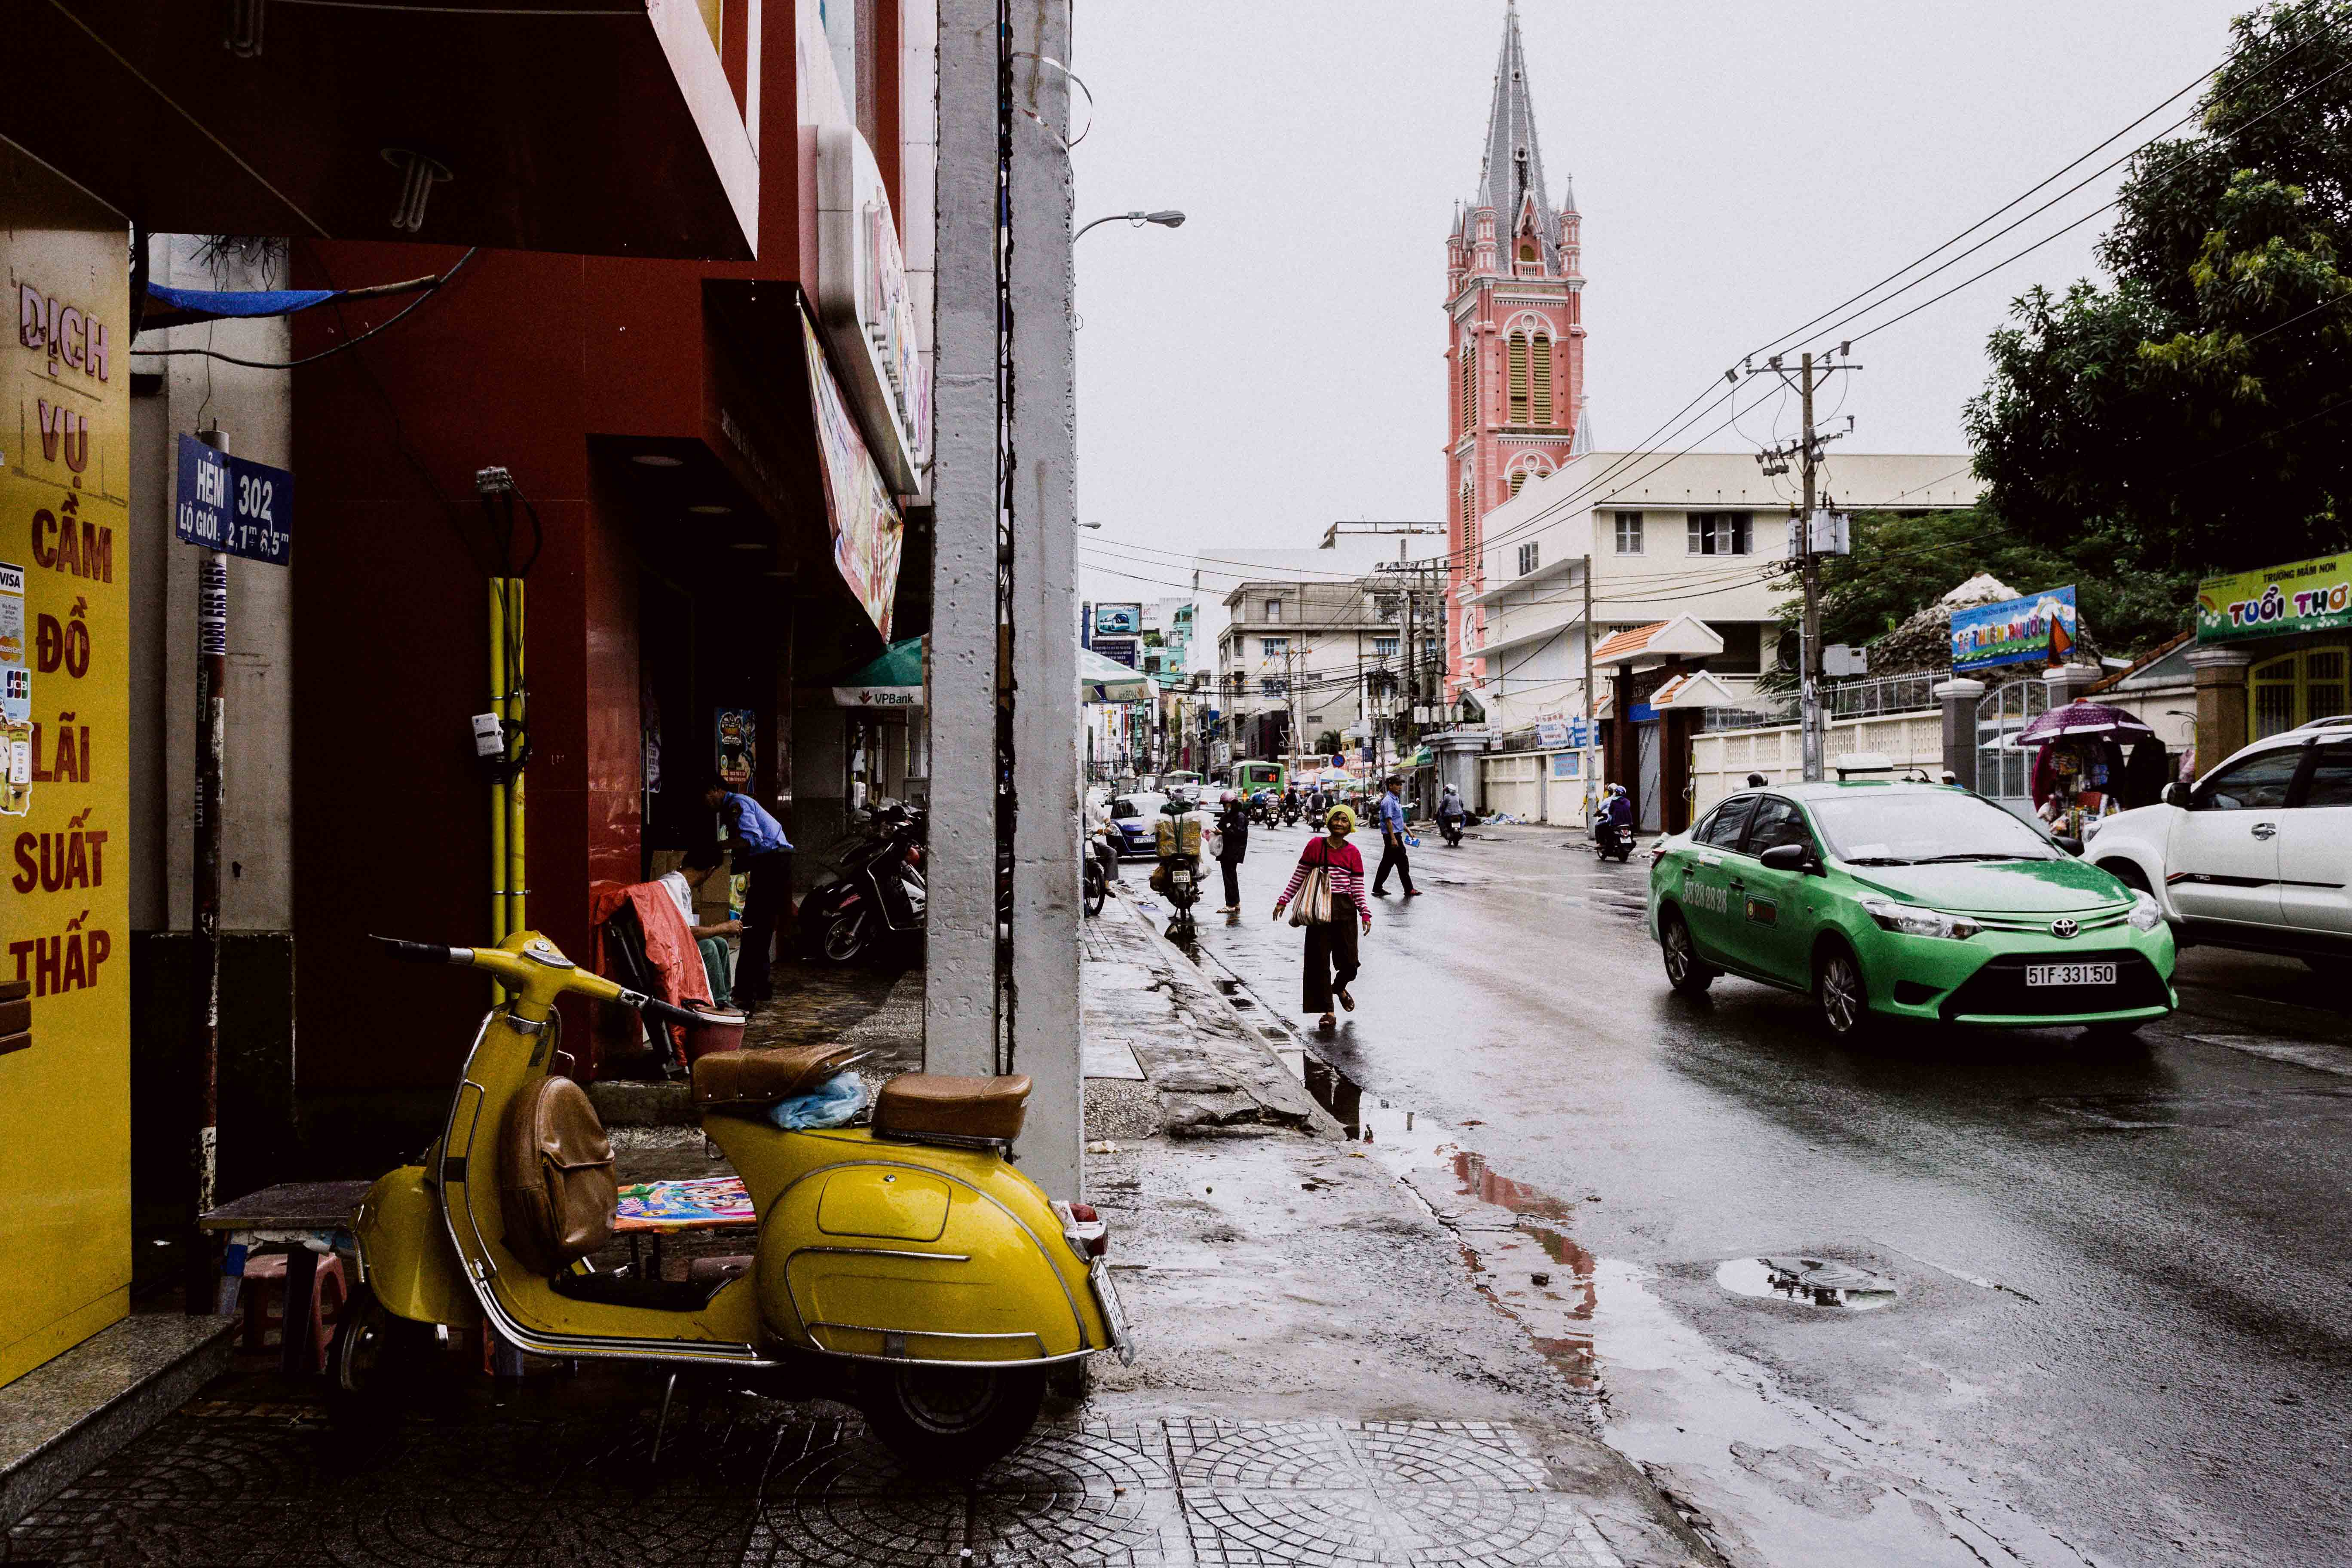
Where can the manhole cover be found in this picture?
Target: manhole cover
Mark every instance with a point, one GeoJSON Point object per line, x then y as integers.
{"type": "Point", "coordinates": [1810, 1282]}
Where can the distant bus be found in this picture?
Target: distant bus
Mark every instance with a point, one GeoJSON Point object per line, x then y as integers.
{"type": "Point", "coordinates": [1251, 777]}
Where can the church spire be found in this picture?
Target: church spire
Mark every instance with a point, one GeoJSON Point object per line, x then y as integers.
{"type": "Point", "coordinates": [1512, 169]}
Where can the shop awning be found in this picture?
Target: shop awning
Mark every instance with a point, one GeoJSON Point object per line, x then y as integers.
{"type": "Point", "coordinates": [894, 679]}
{"type": "Point", "coordinates": [1105, 679]}
{"type": "Point", "coordinates": [605, 127]}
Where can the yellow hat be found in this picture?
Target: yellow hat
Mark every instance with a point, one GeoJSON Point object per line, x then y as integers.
{"type": "Point", "coordinates": [1341, 817]}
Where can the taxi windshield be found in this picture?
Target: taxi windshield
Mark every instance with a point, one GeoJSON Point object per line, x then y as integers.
{"type": "Point", "coordinates": [1867, 829]}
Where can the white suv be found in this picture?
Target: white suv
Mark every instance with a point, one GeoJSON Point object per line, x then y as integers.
{"type": "Point", "coordinates": [2258, 853]}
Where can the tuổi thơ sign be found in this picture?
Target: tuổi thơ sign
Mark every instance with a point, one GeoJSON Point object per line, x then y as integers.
{"type": "Point", "coordinates": [2278, 601]}
{"type": "Point", "coordinates": [2039, 628]}
{"type": "Point", "coordinates": [234, 504]}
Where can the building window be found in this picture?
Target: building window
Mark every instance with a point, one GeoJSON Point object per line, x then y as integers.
{"type": "Point", "coordinates": [1519, 477]}
{"type": "Point", "coordinates": [1530, 555]}
{"type": "Point", "coordinates": [1273, 610]}
{"type": "Point", "coordinates": [1518, 378]}
{"type": "Point", "coordinates": [1629, 533]}
{"type": "Point", "coordinates": [1384, 648]}
{"type": "Point", "coordinates": [1273, 647]}
{"type": "Point", "coordinates": [1719, 533]}
{"type": "Point", "coordinates": [1469, 550]}
{"type": "Point", "coordinates": [1273, 686]}
{"type": "Point", "coordinates": [1542, 373]}
{"type": "Point", "coordinates": [1469, 387]}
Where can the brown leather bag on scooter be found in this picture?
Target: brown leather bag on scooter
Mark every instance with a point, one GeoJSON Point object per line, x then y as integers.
{"type": "Point", "coordinates": [557, 1190]}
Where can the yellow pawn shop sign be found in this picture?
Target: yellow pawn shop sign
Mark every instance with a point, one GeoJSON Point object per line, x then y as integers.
{"type": "Point", "coordinates": [65, 1024]}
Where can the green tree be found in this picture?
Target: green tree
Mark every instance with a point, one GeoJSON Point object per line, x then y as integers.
{"type": "Point", "coordinates": [2194, 414]}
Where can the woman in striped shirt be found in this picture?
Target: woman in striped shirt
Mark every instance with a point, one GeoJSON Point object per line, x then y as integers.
{"type": "Point", "coordinates": [1331, 944]}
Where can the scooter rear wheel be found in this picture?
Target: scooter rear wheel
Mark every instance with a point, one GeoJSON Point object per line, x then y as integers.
{"type": "Point", "coordinates": [948, 1419]}
{"type": "Point", "coordinates": [845, 938]}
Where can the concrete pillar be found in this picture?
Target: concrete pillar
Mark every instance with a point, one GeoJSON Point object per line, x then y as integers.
{"type": "Point", "coordinates": [2068, 682]}
{"type": "Point", "coordinates": [960, 994]}
{"type": "Point", "coordinates": [1959, 697]}
{"type": "Point", "coordinates": [1043, 504]}
{"type": "Point", "coordinates": [2220, 702]}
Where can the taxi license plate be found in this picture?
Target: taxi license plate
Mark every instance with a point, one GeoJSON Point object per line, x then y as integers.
{"type": "Point", "coordinates": [2070, 975]}
{"type": "Point", "coordinates": [1114, 1315]}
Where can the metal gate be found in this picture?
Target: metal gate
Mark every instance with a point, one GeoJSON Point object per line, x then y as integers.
{"type": "Point", "coordinates": [1645, 768]}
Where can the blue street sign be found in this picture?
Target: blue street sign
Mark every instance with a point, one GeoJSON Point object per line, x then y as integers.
{"type": "Point", "coordinates": [234, 504]}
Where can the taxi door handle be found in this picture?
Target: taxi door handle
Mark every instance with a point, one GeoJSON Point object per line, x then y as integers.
{"type": "Point", "coordinates": [2264, 829]}
{"type": "Point", "coordinates": [1734, 882]}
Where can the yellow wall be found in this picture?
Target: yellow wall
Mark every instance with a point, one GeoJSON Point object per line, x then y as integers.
{"type": "Point", "coordinates": [64, 1099]}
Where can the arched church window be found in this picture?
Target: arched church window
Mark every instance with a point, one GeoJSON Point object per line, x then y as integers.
{"type": "Point", "coordinates": [1518, 378]}
{"type": "Point", "coordinates": [1542, 374]}
{"type": "Point", "coordinates": [1469, 357]}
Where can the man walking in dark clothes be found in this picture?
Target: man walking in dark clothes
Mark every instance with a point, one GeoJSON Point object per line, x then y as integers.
{"type": "Point", "coordinates": [1392, 818]}
{"type": "Point", "coordinates": [760, 853]}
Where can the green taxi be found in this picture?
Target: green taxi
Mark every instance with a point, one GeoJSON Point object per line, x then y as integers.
{"type": "Point", "coordinates": [1906, 900]}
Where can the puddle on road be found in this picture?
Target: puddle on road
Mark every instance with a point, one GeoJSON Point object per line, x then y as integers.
{"type": "Point", "coordinates": [1534, 1271]}
{"type": "Point", "coordinates": [1812, 1281]}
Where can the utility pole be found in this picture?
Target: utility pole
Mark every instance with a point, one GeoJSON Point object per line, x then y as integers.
{"type": "Point", "coordinates": [1807, 450]}
{"type": "Point", "coordinates": [203, 973]}
{"type": "Point", "coordinates": [1815, 737]}
{"type": "Point", "coordinates": [1592, 709]}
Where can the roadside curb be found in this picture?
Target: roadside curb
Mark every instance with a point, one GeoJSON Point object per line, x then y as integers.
{"type": "Point", "coordinates": [1208, 1059]}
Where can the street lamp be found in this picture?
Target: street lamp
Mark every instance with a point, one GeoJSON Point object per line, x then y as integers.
{"type": "Point", "coordinates": [1169, 219]}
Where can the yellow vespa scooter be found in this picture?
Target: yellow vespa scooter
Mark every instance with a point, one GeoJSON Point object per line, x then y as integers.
{"type": "Point", "coordinates": [909, 1254]}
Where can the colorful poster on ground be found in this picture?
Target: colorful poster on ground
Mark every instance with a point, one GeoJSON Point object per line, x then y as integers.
{"type": "Point", "coordinates": [868, 532]}
{"type": "Point", "coordinates": [2036, 629]}
{"type": "Point", "coordinates": [2277, 601]}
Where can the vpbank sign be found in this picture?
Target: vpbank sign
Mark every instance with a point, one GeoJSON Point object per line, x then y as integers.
{"type": "Point", "coordinates": [867, 309]}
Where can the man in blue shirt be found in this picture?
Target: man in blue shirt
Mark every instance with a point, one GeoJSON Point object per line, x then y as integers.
{"type": "Point", "coordinates": [1391, 820]}
{"type": "Point", "coordinates": [763, 856]}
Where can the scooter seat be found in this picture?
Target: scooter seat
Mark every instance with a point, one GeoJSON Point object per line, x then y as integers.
{"type": "Point", "coordinates": [918, 1106]}
{"type": "Point", "coordinates": [761, 1077]}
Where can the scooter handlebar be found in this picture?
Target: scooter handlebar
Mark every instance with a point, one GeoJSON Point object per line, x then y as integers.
{"type": "Point", "coordinates": [424, 951]}
{"type": "Point", "coordinates": [661, 1011]}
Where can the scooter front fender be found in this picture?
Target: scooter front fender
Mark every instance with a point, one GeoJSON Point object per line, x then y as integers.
{"type": "Point", "coordinates": [905, 1253]}
{"type": "Point", "coordinates": [405, 1257]}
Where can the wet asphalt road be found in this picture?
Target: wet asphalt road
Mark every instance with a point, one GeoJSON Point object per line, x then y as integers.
{"type": "Point", "coordinates": [2122, 1334]}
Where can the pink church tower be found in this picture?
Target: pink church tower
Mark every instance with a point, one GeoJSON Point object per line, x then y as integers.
{"type": "Point", "coordinates": [1515, 363]}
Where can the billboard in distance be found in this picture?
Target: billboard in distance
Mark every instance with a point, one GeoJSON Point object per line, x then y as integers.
{"type": "Point", "coordinates": [1118, 620]}
{"type": "Point", "coordinates": [2038, 629]}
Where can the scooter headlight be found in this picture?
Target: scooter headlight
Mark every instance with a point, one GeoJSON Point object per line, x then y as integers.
{"type": "Point", "coordinates": [2147, 913]}
{"type": "Point", "coordinates": [1912, 920]}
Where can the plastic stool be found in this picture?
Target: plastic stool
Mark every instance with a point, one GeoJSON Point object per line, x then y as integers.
{"type": "Point", "coordinates": [264, 1302]}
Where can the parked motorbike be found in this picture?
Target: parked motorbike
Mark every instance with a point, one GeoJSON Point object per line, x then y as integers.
{"type": "Point", "coordinates": [907, 1262]}
{"type": "Point", "coordinates": [1177, 878]}
{"type": "Point", "coordinates": [876, 895]}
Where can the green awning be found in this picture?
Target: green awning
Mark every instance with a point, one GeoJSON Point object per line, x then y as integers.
{"type": "Point", "coordinates": [893, 679]}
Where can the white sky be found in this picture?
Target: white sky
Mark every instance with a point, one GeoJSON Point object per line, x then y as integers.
{"type": "Point", "coordinates": [1741, 165]}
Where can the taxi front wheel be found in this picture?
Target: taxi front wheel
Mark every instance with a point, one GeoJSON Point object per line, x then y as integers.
{"type": "Point", "coordinates": [1838, 987]}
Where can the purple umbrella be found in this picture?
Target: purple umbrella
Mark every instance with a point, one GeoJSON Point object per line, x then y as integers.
{"type": "Point", "coordinates": [2084, 718]}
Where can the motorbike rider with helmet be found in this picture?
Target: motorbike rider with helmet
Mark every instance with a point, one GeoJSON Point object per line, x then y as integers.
{"type": "Point", "coordinates": [1616, 815]}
